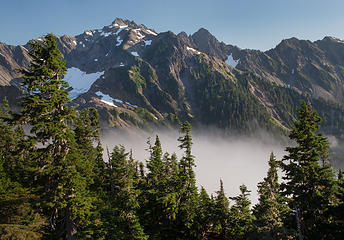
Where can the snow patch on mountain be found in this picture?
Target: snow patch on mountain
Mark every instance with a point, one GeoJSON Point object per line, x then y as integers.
{"type": "Point", "coordinates": [118, 100]}
{"type": "Point", "coordinates": [151, 32]}
{"type": "Point", "coordinates": [121, 28]}
{"type": "Point", "coordinates": [106, 34]}
{"type": "Point", "coordinates": [231, 62]}
{"type": "Point", "coordinates": [148, 42]}
{"type": "Point", "coordinates": [135, 54]}
{"type": "Point", "coordinates": [135, 106]}
{"type": "Point", "coordinates": [119, 41]}
{"type": "Point", "coordinates": [138, 33]}
{"type": "Point", "coordinates": [193, 50]}
{"type": "Point", "coordinates": [80, 81]}
{"type": "Point", "coordinates": [90, 33]}
{"type": "Point", "coordinates": [106, 99]}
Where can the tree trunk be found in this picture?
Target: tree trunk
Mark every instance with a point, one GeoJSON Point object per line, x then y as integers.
{"type": "Point", "coordinates": [71, 230]}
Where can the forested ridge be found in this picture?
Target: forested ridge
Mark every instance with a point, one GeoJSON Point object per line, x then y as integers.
{"type": "Point", "coordinates": [55, 184]}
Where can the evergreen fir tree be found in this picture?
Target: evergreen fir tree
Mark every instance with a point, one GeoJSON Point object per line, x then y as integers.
{"type": "Point", "coordinates": [86, 134]}
{"type": "Point", "coordinates": [241, 219]}
{"type": "Point", "coordinates": [120, 220]}
{"type": "Point", "coordinates": [18, 218]}
{"type": "Point", "coordinates": [155, 164]}
{"type": "Point", "coordinates": [153, 192]}
{"type": "Point", "coordinates": [309, 180]}
{"type": "Point", "coordinates": [271, 207]}
{"type": "Point", "coordinates": [64, 192]}
{"type": "Point", "coordinates": [336, 211]}
{"type": "Point", "coordinates": [160, 195]}
{"type": "Point", "coordinates": [221, 214]}
{"type": "Point", "coordinates": [186, 178]}
{"type": "Point", "coordinates": [205, 215]}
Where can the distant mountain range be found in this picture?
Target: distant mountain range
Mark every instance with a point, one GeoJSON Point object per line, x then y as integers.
{"type": "Point", "coordinates": [137, 77]}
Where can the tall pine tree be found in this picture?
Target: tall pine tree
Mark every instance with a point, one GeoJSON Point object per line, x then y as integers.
{"type": "Point", "coordinates": [271, 207]}
{"type": "Point", "coordinates": [64, 192]}
{"type": "Point", "coordinates": [221, 216]}
{"type": "Point", "coordinates": [309, 179]}
{"type": "Point", "coordinates": [120, 220]}
{"type": "Point", "coordinates": [187, 180]}
{"type": "Point", "coordinates": [241, 219]}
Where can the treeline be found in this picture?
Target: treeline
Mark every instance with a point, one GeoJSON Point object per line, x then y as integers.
{"type": "Point", "coordinates": [54, 183]}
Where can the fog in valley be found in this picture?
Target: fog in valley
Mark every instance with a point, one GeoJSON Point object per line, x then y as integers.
{"type": "Point", "coordinates": [235, 160]}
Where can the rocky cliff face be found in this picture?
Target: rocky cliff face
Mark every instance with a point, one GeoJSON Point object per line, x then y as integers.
{"type": "Point", "coordinates": [137, 77]}
{"type": "Point", "coordinates": [312, 68]}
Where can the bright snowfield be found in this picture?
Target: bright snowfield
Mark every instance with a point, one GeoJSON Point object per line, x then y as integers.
{"type": "Point", "coordinates": [193, 50]}
{"type": "Point", "coordinates": [148, 42]}
{"type": "Point", "coordinates": [119, 41]}
{"type": "Point", "coordinates": [106, 99]}
{"type": "Point", "coordinates": [80, 81]}
{"type": "Point", "coordinates": [231, 62]}
{"type": "Point", "coordinates": [110, 101]}
{"type": "Point", "coordinates": [151, 32]}
{"type": "Point", "coordinates": [135, 54]}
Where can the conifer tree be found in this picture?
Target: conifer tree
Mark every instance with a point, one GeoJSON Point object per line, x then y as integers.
{"type": "Point", "coordinates": [86, 134]}
{"type": "Point", "coordinates": [159, 196]}
{"type": "Point", "coordinates": [120, 217]}
{"type": "Point", "coordinates": [18, 217]}
{"type": "Point", "coordinates": [221, 214]}
{"type": "Point", "coordinates": [155, 164]}
{"type": "Point", "coordinates": [188, 191]}
{"type": "Point", "coordinates": [64, 192]}
{"type": "Point", "coordinates": [336, 211]}
{"type": "Point", "coordinates": [205, 215]}
{"type": "Point", "coordinates": [241, 219]}
{"type": "Point", "coordinates": [271, 207]}
{"type": "Point", "coordinates": [153, 192]}
{"type": "Point", "coordinates": [309, 179]}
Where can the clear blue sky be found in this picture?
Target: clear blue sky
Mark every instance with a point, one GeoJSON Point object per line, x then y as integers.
{"type": "Point", "coordinates": [255, 24]}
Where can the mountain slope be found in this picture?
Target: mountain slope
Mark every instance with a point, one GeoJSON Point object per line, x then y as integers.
{"type": "Point", "coordinates": [137, 77]}
{"type": "Point", "coordinates": [312, 68]}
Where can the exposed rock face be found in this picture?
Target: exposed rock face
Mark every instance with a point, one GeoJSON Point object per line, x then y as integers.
{"type": "Point", "coordinates": [12, 58]}
{"type": "Point", "coordinates": [313, 68]}
{"type": "Point", "coordinates": [208, 44]}
{"type": "Point", "coordinates": [137, 77]}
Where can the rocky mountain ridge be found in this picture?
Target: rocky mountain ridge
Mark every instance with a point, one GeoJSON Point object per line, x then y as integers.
{"type": "Point", "coordinates": [137, 77]}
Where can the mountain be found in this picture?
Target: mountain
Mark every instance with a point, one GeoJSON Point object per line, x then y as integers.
{"type": "Point", "coordinates": [137, 77]}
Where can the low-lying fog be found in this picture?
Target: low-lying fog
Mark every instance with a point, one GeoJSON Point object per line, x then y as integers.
{"type": "Point", "coordinates": [235, 160]}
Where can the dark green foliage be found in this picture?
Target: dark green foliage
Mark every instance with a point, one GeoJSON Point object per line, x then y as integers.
{"type": "Point", "coordinates": [61, 167]}
{"type": "Point", "coordinates": [154, 209]}
{"type": "Point", "coordinates": [227, 101]}
{"type": "Point", "coordinates": [205, 216]}
{"type": "Point", "coordinates": [221, 218]}
{"type": "Point", "coordinates": [271, 209]}
{"type": "Point", "coordinates": [336, 228]}
{"type": "Point", "coordinates": [309, 180]}
{"type": "Point", "coordinates": [18, 219]}
{"type": "Point", "coordinates": [188, 192]}
{"type": "Point", "coordinates": [120, 220]}
{"type": "Point", "coordinates": [136, 76]}
{"type": "Point", "coordinates": [241, 219]}
{"type": "Point", "coordinates": [44, 106]}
